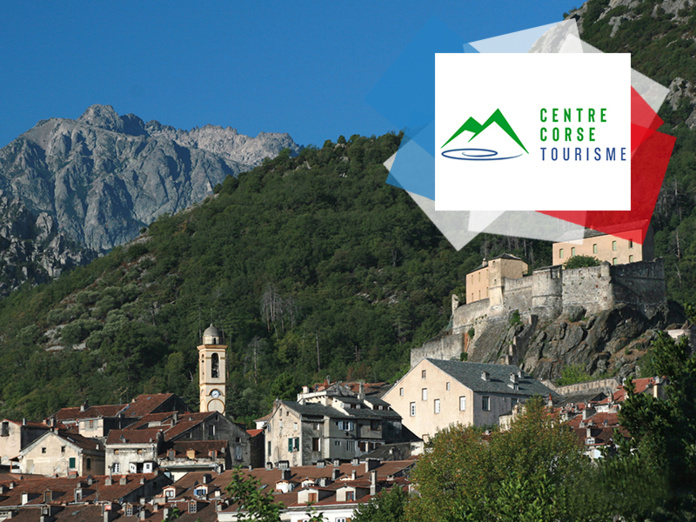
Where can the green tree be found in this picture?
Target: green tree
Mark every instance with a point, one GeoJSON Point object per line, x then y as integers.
{"type": "Point", "coordinates": [582, 261]}
{"type": "Point", "coordinates": [519, 474]}
{"type": "Point", "coordinates": [574, 374]}
{"type": "Point", "coordinates": [663, 430]}
{"type": "Point", "coordinates": [251, 502]}
{"type": "Point", "coordinates": [388, 506]}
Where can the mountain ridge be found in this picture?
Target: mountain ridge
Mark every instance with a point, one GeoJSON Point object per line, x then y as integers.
{"type": "Point", "coordinates": [102, 177]}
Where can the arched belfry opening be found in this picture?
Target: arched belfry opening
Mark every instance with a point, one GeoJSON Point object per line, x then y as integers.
{"type": "Point", "coordinates": [215, 366]}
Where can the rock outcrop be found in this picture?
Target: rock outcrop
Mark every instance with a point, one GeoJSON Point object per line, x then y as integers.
{"type": "Point", "coordinates": [90, 184]}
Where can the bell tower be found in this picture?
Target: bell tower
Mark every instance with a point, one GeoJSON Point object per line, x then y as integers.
{"type": "Point", "coordinates": [212, 371]}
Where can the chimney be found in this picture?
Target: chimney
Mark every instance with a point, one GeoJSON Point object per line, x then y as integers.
{"type": "Point", "coordinates": [513, 377]}
{"type": "Point", "coordinates": [485, 376]}
{"type": "Point", "coordinates": [171, 454]}
{"type": "Point", "coordinates": [353, 475]}
{"type": "Point", "coordinates": [361, 390]}
{"type": "Point", "coordinates": [321, 464]}
{"type": "Point", "coordinates": [24, 421]}
{"type": "Point", "coordinates": [48, 496]}
{"type": "Point", "coordinates": [305, 389]}
{"type": "Point", "coordinates": [142, 514]}
{"type": "Point", "coordinates": [108, 481]}
{"type": "Point", "coordinates": [373, 482]}
{"type": "Point", "coordinates": [335, 473]}
{"type": "Point", "coordinates": [25, 498]}
{"type": "Point", "coordinates": [84, 406]}
{"type": "Point", "coordinates": [283, 464]}
{"type": "Point", "coordinates": [371, 464]}
{"type": "Point", "coordinates": [588, 432]}
{"type": "Point", "coordinates": [207, 478]}
{"type": "Point", "coordinates": [175, 418]}
{"type": "Point", "coordinates": [90, 480]}
{"type": "Point", "coordinates": [355, 462]}
{"type": "Point", "coordinates": [78, 494]}
{"type": "Point", "coordinates": [285, 474]}
{"type": "Point", "coordinates": [12, 485]}
{"type": "Point", "coordinates": [269, 465]}
{"type": "Point", "coordinates": [142, 480]}
{"type": "Point", "coordinates": [123, 481]}
{"type": "Point", "coordinates": [336, 462]}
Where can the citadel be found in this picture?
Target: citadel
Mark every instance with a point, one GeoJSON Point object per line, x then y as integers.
{"type": "Point", "coordinates": [502, 287]}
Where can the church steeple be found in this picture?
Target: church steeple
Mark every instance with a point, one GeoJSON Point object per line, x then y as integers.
{"type": "Point", "coordinates": [212, 371]}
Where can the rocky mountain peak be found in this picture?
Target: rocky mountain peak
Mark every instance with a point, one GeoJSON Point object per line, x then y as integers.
{"type": "Point", "coordinates": [102, 116]}
{"type": "Point", "coordinates": [98, 180]}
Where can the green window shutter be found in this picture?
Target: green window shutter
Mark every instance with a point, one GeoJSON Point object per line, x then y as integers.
{"type": "Point", "coordinates": [290, 444]}
{"type": "Point", "coordinates": [72, 462]}
{"type": "Point", "coordinates": [297, 443]}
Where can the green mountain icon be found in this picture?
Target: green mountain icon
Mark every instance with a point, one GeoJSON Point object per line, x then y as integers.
{"type": "Point", "coordinates": [472, 125]}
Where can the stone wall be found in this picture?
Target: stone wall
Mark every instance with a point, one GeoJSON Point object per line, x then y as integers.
{"type": "Point", "coordinates": [518, 293]}
{"type": "Point", "coordinates": [469, 315]}
{"type": "Point", "coordinates": [639, 284]}
{"type": "Point", "coordinates": [589, 288]}
{"type": "Point", "coordinates": [445, 348]}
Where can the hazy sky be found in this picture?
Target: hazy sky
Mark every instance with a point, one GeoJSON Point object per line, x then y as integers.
{"type": "Point", "coordinates": [299, 67]}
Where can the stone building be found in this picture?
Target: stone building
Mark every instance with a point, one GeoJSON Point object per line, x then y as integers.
{"type": "Point", "coordinates": [486, 281]}
{"type": "Point", "coordinates": [62, 453]}
{"type": "Point", "coordinates": [17, 435]}
{"type": "Point", "coordinates": [436, 394]}
{"type": "Point", "coordinates": [330, 424]}
{"type": "Point", "coordinates": [212, 371]}
{"type": "Point", "coordinates": [605, 247]}
{"type": "Point", "coordinates": [137, 448]}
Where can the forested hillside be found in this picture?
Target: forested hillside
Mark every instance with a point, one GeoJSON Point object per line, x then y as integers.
{"type": "Point", "coordinates": [311, 265]}
{"type": "Point", "coordinates": [660, 37]}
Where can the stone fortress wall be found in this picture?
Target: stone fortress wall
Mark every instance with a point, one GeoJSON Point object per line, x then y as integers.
{"type": "Point", "coordinates": [548, 293]}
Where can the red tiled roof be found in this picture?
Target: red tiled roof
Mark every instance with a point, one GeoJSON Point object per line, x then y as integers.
{"type": "Point", "coordinates": [29, 424]}
{"type": "Point", "coordinates": [144, 404]}
{"type": "Point", "coordinates": [91, 412]}
{"type": "Point", "coordinates": [142, 436]}
{"type": "Point", "coordinates": [139, 432]}
{"type": "Point", "coordinates": [62, 488]}
{"type": "Point", "coordinates": [201, 447]}
{"type": "Point", "coordinates": [254, 433]}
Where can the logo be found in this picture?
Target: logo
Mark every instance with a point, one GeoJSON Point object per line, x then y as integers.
{"type": "Point", "coordinates": [477, 154]}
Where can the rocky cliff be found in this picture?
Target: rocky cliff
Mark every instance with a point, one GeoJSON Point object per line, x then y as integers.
{"type": "Point", "coordinates": [610, 342]}
{"type": "Point", "coordinates": [73, 189]}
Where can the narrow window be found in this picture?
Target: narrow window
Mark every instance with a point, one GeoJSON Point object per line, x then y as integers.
{"type": "Point", "coordinates": [462, 403]}
{"type": "Point", "coordinates": [630, 259]}
{"type": "Point", "coordinates": [613, 261]}
{"type": "Point", "coordinates": [215, 366]}
{"type": "Point", "coordinates": [613, 245]}
{"type": "Point", "coordinates": [630, 243]}
{"type": "Point", "coordinates": [413, 409]}
{"type": "Point", "coordinates": [437, 405]}
{"type": "Point", "coordinates": [447, 386]}
{"type": "Point", "coordinates": [572, 251]}
{"type": "Point", "coordinates": [424, 394]}
{"type": "Point", "coordinates": [401, 392]}
{"type": "Point", "coordinates": [486, 403]}
{"type": "Point", "coordinates": [560, 253]}
{"type": "Point", "coordinates": [594, 248]}
{"type": "Point", "coordinates": [423, 374]}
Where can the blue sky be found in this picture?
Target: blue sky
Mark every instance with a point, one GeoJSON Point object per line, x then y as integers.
{"type": "Point", "coordinates": [299, 67]}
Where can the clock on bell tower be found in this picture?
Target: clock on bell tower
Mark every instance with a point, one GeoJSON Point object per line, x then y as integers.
{"type": "Point", "coordinates": [212, 371]}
